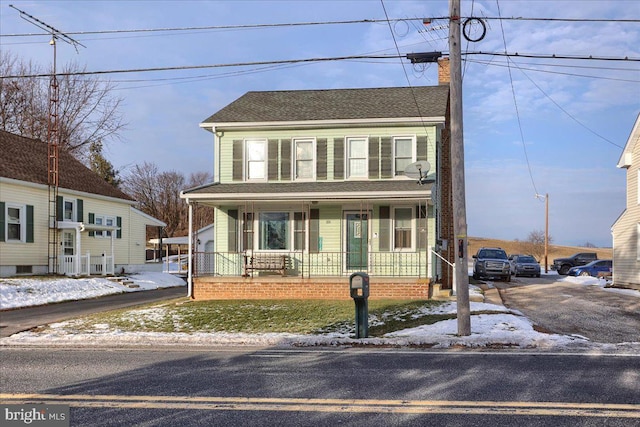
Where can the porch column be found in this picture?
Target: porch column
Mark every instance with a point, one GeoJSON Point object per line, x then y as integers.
{"type": "Point", "coordinates": [77, 253]}
{"type": "Point", "coordinates": [190, 250]}
{"type": "Point", "coordinates": [112, 265]}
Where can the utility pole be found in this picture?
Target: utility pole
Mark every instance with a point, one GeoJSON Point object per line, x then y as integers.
{"type": "Point", "coordinates": [546, 233]}
{"type": "Point", "coordinates": [461, 272]}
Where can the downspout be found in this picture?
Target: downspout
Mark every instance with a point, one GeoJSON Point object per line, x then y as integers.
{"type": "Point", "coordinates": [190, 246]}
{"type": "Point", "coordinates": [78, 254]}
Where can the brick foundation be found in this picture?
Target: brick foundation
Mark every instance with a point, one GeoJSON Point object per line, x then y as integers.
{"type": "Point", "coordinates": [271, 287]}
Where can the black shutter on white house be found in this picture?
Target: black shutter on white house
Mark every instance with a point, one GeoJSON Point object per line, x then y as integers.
{"type": "Point", "coordinates": [285, 160]}
{"type": "Point", "coordinates": [374, 157]}
{"type": "Point", "coordinates": [321, 159]}
{"type": "Point", "coordinates": [238, 149]}
{"type": "Point", "coordinates": [338, 158]}
{"type": "Point", "coordinates": [386, 158]}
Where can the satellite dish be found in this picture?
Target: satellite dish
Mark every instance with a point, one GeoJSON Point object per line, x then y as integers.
{"type": "Point", "coordinates": [418, 170]}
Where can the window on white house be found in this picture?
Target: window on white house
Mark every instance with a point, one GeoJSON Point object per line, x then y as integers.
{"type": "Point", "coordinates": [104, 220]}
{"type": "Point", "coordinates": [403, 154]}
{"type": "Point", "coordinates": [402, 228]}
{"type": "Point", "coordinates": [357, 157]}
{"type": "Point", "coordinates": [16, 223]}
{"type": "Point", "coordinates": [304, 159]}
{"type": "Point", "coordinates": [638, 242]}
{"type": "Point", "coordinates": [256, 158]}
{"type": "Point", "coordinates": [69, 210]}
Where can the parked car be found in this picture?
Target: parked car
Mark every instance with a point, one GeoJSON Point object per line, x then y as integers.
{"type": "Point", "coordinates": [592, 269]}
{"type": "Point", "coordinates": [524, 265]}
{"type": "Point", "coordinates": [491, 263]}
{"type": "Point", "coordinates": [563, 265]}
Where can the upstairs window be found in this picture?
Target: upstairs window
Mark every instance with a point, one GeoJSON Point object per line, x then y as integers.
{"type": "Point", "coordinates": [256, 158]}
{"type": "Point", "coordinates": [357, 149]}
{"type": "Point", "coordinates": [304, 162]}
{"type": "Point", "coordinates": [69, 210]}
{"type": "Point", "coordinates": [403, 154]}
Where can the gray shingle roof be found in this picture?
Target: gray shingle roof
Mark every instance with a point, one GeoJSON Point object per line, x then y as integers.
{"type": "Point", "coordinates": [325, 190]}
{"type": "Point", "coordinates": [25, 159]}
{"type": "Point", "coordinates": [335, 104]}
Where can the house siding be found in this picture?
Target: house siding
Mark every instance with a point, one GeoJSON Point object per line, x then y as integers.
{"type": "Point", "coordinates": [626, 253]}
{"type": "Point", "coordinates": [275, 160]}
{"type": "Point", "coordinates": [129, 250]}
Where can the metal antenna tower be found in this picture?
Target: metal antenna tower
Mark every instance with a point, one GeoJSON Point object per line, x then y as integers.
{"type": "Point", "coordinates": [53, 137]}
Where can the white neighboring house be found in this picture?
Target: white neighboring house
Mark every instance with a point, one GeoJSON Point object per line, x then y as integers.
{"type": "Point", "coordinates": [626, 229]}
{"type": "Point", "coordinates": [98, 229]}
{"type": "Point", "coordinates": [180, 263]}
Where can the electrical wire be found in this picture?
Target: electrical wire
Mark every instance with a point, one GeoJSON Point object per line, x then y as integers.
{"type": "Point", "coordinates": [515, 103]}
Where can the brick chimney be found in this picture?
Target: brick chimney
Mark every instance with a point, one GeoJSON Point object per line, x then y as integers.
{"type": "Point", "coordinates": [444, 72]}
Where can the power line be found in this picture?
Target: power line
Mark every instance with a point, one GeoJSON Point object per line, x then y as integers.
{"type": "Point", "coordinates": [308, 60]}
{"type": "Point", "coordinates": [315, 23]}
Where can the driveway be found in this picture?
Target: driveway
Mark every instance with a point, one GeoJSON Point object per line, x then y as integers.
{"type": "Point", "coordinates": [567, 308]}
{"type": "Point", "coordinates": [22, 319]}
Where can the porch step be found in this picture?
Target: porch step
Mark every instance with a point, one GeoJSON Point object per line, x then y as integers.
{"type": "Point", "coordinates": [124, 281]}
{"type": "Point", "coordinates": [440, 294]}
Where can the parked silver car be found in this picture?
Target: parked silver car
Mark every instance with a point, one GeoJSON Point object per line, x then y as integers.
{"type": "Point", "coordinates": [524, 265]}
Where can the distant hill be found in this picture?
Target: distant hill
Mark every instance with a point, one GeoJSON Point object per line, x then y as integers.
{"type": "Point", "coordinates": [517, 247]}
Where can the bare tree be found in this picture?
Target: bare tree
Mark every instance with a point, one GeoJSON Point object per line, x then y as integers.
{"type": "Point", "coordinates": [158, 194]}
{"type": "Point", "coordinates": [203, 215]}
{"type": "Point", "coordinates": [88, 111]}
{"type": "Point", "coordinates": [534, 245]}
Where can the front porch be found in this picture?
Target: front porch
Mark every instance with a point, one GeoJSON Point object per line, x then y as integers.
{"type": "Point", "coordinates": [86, 265]}
{"type": "Point", "coordinates": [415, 264]}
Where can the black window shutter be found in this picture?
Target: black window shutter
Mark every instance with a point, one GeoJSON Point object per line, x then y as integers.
{"type": "Point", "coordinates": [386, 158]}
{"type": "Point", "coordinates": [422, 148]}
{"type": "Point", "coordinates": [29, 224]}
{"type": "Point", "coordinates": [374, 153]}
{"type": "Point", "coordinates": [285, 160]}
{"type": "Point", "coordinates": [92, 220]}
{"type": "Point", "coordinates": [384, 239]}
{"type": "Point", "coordinates": [119, 224]}
{"type": "Point", "coordinates": [80, 210]}
{"type": "Point", "coordinates": [314, 230]}
{"type": "Point", "coordinates": [321, 159]}
{"type": "Point", "coordinates": [232, 237]}
{"type": "Point", "coordinates": [238, 146]}
{"type": "Point", "coordinates": [59, 208]}
{"type": "Point", "coordinates": [338, 158]}
{"type": "Point", "coordinates": [2, 220]}
{"type": "Point", "coordinates": [272, 165]}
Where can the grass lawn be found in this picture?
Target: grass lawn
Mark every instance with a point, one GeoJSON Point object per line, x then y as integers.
{"type": "Point", "coordinates": [264, 316]}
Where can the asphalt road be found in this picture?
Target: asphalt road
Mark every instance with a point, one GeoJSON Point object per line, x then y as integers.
{"type": "Point", "coordinates": [571, 309]}
{"type": "Point", "coordinates": [325, 387]}
{"type": "Point", "coordinates": [18, 320]}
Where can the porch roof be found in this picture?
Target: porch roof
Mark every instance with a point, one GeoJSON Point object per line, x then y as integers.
{"type": "Point", "coordinates": [392, 189]}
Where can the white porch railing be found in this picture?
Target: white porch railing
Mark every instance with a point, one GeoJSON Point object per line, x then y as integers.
{"type": "Point", "coordinates": [86, 265]}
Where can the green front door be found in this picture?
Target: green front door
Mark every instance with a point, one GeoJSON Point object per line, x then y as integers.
{"type": "Point", "coordinates": [357, 241]}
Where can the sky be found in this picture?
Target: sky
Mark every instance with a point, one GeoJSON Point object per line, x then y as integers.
{"type": "Point", "coordinates": [532, 126]}
{"type": "Point", "coordinates": [491, 324]}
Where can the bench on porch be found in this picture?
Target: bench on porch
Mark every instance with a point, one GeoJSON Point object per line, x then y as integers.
{"type": "Point", "coordinates": [265, 262]}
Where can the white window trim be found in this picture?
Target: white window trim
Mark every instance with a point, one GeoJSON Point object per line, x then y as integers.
{"type": "Point", "coordinates": [412, 248]}
{"type": "Point", "coordinates": [265, 157]}
{"type": "Point", "coordinates": [292, 232]}
{"type": "Point", "coordinates": [294, 160]}
{"type": "Point", "coordinates": [103, 234]}
{"type": "Point", "coordinates": [74, 209]}
{"type": "Point", "coordinates": [23, 222]}
{"type": "Point", "coordinates": [347, 163]}
{"type": "Point", "coordinates": [414, 151]}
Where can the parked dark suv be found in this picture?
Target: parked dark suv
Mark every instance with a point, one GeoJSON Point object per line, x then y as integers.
{"type": "Point", "coordinates": [491, 263]}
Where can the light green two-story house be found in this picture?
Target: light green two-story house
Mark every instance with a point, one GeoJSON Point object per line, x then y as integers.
{"type": "Point", "coordinates": [97, 229]}
{"type": "Point", "coordinates": [310, 187]}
